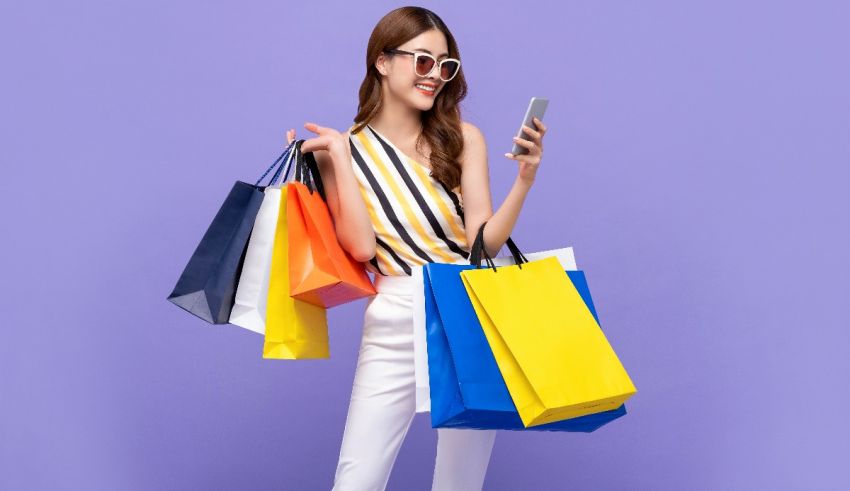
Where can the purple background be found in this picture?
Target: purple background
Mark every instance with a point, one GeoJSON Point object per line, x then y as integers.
{"type": "Point", "coordinates": [696, 159]}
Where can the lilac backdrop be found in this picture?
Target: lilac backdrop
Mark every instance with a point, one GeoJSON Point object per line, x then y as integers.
{"type": "Point", "coordinates": [697, 160]}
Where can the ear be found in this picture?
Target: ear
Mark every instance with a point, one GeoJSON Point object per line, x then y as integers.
{"type": "Point", "coordinates": [381, 64]}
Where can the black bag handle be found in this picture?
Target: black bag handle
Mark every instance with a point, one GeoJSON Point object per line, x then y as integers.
{"type": "Point", "coordinates": [307, 170]}
{"type": "Point", "coordinates": [299, 162]}
{"type": "Point", "coordinates": [313, 166]}
{"type": "Point", "coordinates": [478, 250]}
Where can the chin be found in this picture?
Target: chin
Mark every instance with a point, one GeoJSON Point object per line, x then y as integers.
{"type": "Point", "coordinates": [425, 106]}
{"type": "Point", "coordinates": [420, 102]}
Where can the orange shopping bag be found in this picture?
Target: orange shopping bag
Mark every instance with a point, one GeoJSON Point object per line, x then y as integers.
{"type": "Point", "coordinates": [321, 272]}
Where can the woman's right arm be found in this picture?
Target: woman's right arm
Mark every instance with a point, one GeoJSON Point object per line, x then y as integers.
{"type": "Point", "coordinates": [342, 190]}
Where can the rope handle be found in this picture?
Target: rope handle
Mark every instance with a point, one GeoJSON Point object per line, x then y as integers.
{"type": "Point", "coordinates": [478, 250]}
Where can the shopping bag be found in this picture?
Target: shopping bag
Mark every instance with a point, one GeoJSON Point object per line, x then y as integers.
{"type": "Point", "coordinates": [207, 286]}
{"type": "Point", "coordinates": [321, 271]}
{"type": "Point", "coordinates": [420, 352]}
{"type": "Point", "coordinates": [467, 388]}
{"type": "Point", "coordinates": [422, 399]}
{"type": "Point", "coordinates": [551, 352]}
{"type": "Point", "coordinates": [294, 329]}
{"type": "Point", "coordinates": [249, 307]}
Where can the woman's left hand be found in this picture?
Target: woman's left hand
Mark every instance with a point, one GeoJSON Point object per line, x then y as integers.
{"type": "Point", "coordinates": [529, 162]}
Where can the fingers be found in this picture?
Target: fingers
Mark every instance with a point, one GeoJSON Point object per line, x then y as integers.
{"type": "Point", "coordinates": [317, 143]}
{"type": "Point", "coordinates": [524, 158]}
{"type": "Point", "coordinates": [309, 145]}
{"type": "Point", "coordinates": [319, 130]}
{"type": "Point", "coordinates": [290, 136]}
{"type": "Point", "coordinates": [540, 126]}
{"type": "Point", "coordinates": [534, 134]}
{"type": "Point", "coordinates": [535, 147]}
{"type": "Point", "coordinates": [530, 145]}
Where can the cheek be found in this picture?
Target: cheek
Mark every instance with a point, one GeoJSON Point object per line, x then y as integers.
{"type": "Point", "coordinates": [402, 83]}
{"type": "Point", "coordinates": [402, 87]}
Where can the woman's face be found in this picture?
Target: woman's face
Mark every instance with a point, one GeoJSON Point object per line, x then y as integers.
{"type": "Point", "coordinates": [401, 79]}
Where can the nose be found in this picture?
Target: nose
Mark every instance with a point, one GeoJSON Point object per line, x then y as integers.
{"type": "Point", "coordinates": [434, 75]}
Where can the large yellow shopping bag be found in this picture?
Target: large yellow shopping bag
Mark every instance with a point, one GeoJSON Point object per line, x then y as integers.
{"type": "Point", "coordinates": [294, 329]}
{"type": "Point", "coordinates": [556, 362]}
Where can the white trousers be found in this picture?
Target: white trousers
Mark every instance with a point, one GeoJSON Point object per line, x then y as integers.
{"type": "Point", "coordinates": [383, 405]}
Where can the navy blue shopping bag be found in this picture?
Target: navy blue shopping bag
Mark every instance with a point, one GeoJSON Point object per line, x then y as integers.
{"type": "Point", "coordinates": [467, 388]}
{"type": "Point", "coordinates": [207, 286]}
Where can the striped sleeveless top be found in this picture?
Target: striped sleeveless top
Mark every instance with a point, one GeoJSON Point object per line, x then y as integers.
{"type": "Point", "coordinates": [416, 218]}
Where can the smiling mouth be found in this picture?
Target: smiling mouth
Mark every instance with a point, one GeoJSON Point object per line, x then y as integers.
{"type": "Point", "coordinates": [426, 89]}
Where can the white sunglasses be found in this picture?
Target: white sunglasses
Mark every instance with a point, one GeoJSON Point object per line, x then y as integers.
{"type": "Point", "coordinates": [423, 64]}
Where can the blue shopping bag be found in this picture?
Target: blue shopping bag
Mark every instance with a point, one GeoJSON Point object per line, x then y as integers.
{"type": "Point", "coordinates": [207, 286]}
{"type": "Point", "coordinates": [467, 388]}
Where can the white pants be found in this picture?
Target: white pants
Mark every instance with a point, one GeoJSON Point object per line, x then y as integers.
{"type": "Point", "coordinates": [383, 405]}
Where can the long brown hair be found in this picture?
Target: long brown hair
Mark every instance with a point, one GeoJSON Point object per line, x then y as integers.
{"type": "Point", "coordinates": [441, 125]}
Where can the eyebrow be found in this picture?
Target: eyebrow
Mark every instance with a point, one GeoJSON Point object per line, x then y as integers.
{"type": "Point", "coordinates": [430, 53]}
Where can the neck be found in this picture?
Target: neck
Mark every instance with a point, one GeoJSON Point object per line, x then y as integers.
{"type": "Point", "coordinates": [397, 120]}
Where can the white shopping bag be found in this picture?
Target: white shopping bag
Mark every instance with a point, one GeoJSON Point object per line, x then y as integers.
{"type": "Point", "coordinates": [249, 306]}
{"type": "Point", "coordinates": [420, 350]}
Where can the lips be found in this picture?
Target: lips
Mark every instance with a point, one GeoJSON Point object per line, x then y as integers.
{"type": "Point", "coordinates": [426, 88]}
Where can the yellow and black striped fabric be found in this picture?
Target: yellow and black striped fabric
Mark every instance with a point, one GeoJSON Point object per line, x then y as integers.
{"type": "Point", "coordinates": [416, 218]}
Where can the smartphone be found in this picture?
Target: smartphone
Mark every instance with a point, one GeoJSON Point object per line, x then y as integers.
{"type": "Point", "coordinates": [536, 108]}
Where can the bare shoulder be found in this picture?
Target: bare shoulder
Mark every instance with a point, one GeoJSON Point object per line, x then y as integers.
{"type": "Point", "coordinates": [471, 134]}
{"type": "Point", "coordinates": [474, 147]}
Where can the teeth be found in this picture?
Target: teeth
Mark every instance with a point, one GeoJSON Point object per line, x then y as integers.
{"type": "Point", "coordinates": [425, 87]}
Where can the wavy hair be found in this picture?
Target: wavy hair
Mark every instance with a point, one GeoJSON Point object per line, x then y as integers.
{"type": "Point", "coordinates": [441, 125]}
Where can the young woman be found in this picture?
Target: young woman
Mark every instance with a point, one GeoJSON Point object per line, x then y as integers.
{"type": "Point", "coordinates": [408, 184]}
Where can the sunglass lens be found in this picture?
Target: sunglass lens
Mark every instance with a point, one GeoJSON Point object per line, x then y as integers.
{"type": "Point", "coordinates": [424, 65]}
{"type": "Point", "coordinates": [449, 69]}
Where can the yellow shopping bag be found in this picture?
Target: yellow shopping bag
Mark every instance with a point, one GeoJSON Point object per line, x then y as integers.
{"type": "Point", "coordinates": [556, 362]}
{"type": "Point", "coordinates": [294, 329]}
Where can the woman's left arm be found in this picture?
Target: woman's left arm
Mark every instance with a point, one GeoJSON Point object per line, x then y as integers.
{"type": "Point", "coordinates": [475, 186]}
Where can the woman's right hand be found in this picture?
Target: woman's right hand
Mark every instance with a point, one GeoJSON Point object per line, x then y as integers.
{"type": "Point", "coordinates": [329, 139]}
